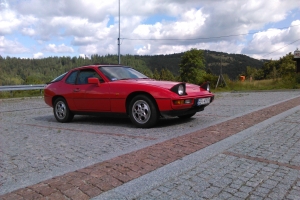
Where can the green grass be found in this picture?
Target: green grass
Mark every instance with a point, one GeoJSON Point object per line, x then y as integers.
{"type": "Point", "coordinates": [270, 84]}
{"type": "Point", "coordinates": [20, 94]}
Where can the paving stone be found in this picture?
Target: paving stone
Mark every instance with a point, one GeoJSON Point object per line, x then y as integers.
{"type": "Point", "coordinates": [248, 179]}
{"type": "Point", "coordinates": [246, 189]}
{"type": "Point", "coordinates": [242, 195]}
{"type": "Point", "coordinates": [36, 149]}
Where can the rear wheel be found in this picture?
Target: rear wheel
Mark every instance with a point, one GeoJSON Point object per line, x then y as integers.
{"type": "Point", "coordinates": [143, 112]}
{"type": "Point", "coordinates": [61, 111]}
{"type": "Point", "coordinates": [186, 116]}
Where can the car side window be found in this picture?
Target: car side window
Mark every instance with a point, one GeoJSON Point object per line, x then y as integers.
{"type": "Point", "coordinates": [72, 78]}
{"type": "Point", "coordinates": [88, 73]}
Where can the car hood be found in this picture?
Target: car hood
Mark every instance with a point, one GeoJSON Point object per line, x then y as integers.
{"type": "Point", "coordinates": [167, 84]}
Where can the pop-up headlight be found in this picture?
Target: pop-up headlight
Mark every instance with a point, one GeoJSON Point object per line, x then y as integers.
{"type": "Point", "coordinates": [179, 89]}
{"type": "Point", "coordinates": [206, 86]}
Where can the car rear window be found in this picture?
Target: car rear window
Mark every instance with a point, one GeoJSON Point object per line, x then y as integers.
{"type": "Point", "coordinates": [60, 77]}
{"type": "Point", "coordinates": [72, 78]}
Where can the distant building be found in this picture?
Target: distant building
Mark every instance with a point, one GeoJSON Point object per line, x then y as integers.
{"type": "Point", "coordinates": [297, 59]}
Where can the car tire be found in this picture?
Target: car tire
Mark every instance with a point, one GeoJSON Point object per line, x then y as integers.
{"type": "Point", "coordinates": [187, 116]}
{"type": "Point", "coordinates": [61, 111]}
{"type": "Point", "coordinates": [143, 112]}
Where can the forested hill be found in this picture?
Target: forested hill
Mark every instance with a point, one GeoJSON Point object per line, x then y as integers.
{"type": "Point", "coordinates": [17, 71]}
{"type": "Point", "coordinates": [232, 64]}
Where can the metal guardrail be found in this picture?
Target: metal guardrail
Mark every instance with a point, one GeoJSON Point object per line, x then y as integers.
{"type": "Point", "coordinates": [22, 87]}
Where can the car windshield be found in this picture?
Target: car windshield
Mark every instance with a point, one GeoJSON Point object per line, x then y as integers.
{"type": "Point", "coordinates": [121, 73]}
{"type": "Point", "coordinates": [59, 77]}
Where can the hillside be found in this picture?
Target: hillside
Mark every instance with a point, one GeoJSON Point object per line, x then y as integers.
{"type": "Point", "coordinates": [17, 71]}
{"type": "Point", "coordinates": [232, 64]}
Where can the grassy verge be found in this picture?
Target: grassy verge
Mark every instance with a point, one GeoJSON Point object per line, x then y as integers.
{"type": "Point", "coordinates": [272, 84]}
{"type": "Point", "coordinates": [19, 94]}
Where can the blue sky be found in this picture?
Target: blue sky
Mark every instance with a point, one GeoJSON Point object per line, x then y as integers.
{"type": "Point", "coordinates": [40, 28]}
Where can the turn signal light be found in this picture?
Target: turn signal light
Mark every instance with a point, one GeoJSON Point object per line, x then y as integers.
{"type": "Point", "coordinates": [187, 101]}
{"type": "Point", "coordinates": [180, 102]}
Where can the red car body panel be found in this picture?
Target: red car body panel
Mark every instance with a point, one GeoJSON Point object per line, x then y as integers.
{"type": "Point", "coordinates": [112, 96]}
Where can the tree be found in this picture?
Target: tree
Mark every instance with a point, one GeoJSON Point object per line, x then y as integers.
{"type": "Point", "coordinates": [287, 65]}
{"type": "Point", "coordinates": [156, 75]}
{"type": "Point", "coordinates": [192, 68]}
{"type": "Point", "coordinates": [167, 75]}
{"type": "Point", "coordinates": [250, 72]}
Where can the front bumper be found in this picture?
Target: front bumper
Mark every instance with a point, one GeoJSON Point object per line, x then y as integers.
{"type": "Point", "coordinates": [178, 112]}
{"type": "Point", "coordinates": [174, 113]}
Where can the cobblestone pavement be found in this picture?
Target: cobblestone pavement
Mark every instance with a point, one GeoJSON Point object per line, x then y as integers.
{"type": "Point", "coordinates": [35, 148]}
{"type": "Point", "coordinates": [265, 166]}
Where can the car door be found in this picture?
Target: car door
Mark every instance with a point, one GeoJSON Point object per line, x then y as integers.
{"type": "Point", "coordinates": [91, 97]}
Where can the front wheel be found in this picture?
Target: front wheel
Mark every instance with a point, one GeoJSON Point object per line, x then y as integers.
{"type": "Point", "coordinates": [186, 116]}
{"type": "Point", "coordinates": [143, 112]}
{"type": "Point", "coordinates": [61, 111]}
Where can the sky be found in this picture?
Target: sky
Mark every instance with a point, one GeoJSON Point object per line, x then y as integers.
{"type": "Point", "coordinates": [262, 29]}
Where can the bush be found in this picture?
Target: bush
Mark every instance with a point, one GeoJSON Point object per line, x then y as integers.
{"type": "Point", "coordinates": [211, 78]}
{"type": "Point", "coordinates": [297, 78]}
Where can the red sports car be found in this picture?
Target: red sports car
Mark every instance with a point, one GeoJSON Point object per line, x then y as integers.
{"type": "Point", "coordinates": [117, 89]}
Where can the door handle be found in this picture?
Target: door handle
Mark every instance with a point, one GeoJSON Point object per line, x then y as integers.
{"type": "Point", "coordinates": [76, 90]}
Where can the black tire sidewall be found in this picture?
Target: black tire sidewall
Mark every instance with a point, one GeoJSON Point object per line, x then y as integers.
{"type": "Point", "coordinates": [154, 112]}
{"type": "Point", "coordinates": [69, 116]}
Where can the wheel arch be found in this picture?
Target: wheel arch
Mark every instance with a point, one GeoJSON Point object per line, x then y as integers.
{"type": "Point", "coordinates": [56, 97]}
{"type": "Point", "coordinates": [62, 113]}
{"type": "Point", "coordinates": [132, 95]}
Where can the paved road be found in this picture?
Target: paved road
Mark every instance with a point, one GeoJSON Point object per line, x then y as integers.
{"type": "Point", "coordinates": [262, 162]}
{"type": "Point", "coordinates": [35, 148]}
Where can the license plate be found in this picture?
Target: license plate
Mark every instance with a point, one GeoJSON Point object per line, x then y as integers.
{"type": "Point", "coordinates": [203, 101]}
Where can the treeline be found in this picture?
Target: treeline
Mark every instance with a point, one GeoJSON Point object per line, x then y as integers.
{"type": "Point", "coordinates": [285, 67]}
{"type": "Point", "coordinates": [17, 71]}
{"type": "Point", "coordinates": [231, 64]}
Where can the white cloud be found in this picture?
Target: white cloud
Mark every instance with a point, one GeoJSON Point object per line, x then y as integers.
{"type": "Point", "coordinates": [91, 9]}
{"type": "Point", "coordinates": [11, 21]}
{"type": "Point", "coordinates": [88, 26]}
{"type": "Point", "coordinates": [223, 46]}
{"type": "Point", "coordinates": [11, 47]}
{"type": "Point", "coordinates": [59, 49]}
{"type": "Point", "coordinates": [38, 55]}
{"type": "Point", "coordinates": [28, 31]}
{"type": "Point", "coordinates": [3, 4]}
{"type": "Point", "coordinates": [188, 25]}
{"type": "Point", "coordinates": [8, 22]}
{"type": "Point", "coordinates": [273, 40]}
{"type": "Point", "coordinates": [98, 49]}
{"type": "Point", "coordinates": [81, 41]}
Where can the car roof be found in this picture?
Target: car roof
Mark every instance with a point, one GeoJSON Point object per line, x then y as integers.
{"type": "Point", "coordinates": [97, 65]}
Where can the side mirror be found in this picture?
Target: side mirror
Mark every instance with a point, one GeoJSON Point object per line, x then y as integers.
{"type": "Point", "coordinates": [93, 81]}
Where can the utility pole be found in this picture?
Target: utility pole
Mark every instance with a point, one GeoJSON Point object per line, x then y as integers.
{"type": "Point", "coordinates": [119, 35]}
{"type": "Point", "coordinates": [221, 78]}
{"type": "Point", "coordinates": [297, 59]}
